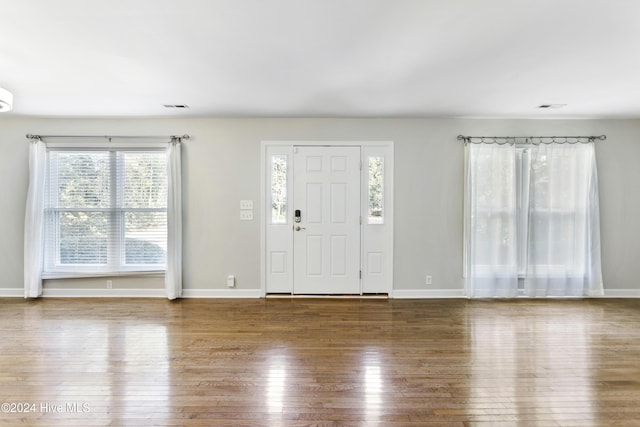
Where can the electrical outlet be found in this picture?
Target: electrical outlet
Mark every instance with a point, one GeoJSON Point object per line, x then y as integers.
{"type": "Point", "coordinates": [428, 280]}
{"type": "Point", "coordinates": [231, 281]}
{"type": "Point", "coordinates": [109, 284]}
{"type": "Point", "coordinates": [246, 215]}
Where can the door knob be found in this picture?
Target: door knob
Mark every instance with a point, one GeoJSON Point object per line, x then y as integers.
{"type": "Point", "coordinates": [298, 228]}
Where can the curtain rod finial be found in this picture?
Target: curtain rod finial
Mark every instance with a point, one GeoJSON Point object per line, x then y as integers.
{"type": "Point", "coordinates": [180, 138]}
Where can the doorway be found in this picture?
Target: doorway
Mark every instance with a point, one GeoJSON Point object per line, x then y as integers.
{"type": "Point", "coordinates": [327, 218]}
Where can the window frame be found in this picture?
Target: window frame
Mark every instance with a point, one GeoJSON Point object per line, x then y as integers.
{"type": "Point", "coordinates": [525, 213]}
{"type": "Point", "coordinates": [284, 220]}
{"type": "Point", "coordinates": [522, 167]}
{"type": "Point", "coordinates": [375, 219]}
{"type": "Point", "coordinates": [115, 215]}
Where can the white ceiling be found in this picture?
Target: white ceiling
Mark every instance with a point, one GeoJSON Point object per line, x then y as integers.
{"type": "Point", "coordinates": [355, 58]}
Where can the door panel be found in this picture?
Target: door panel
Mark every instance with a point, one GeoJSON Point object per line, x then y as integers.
{"type": "Point", "coordinates": [313, 196]}
{"type": "Point", "coordinates": [314, 256]}
{"type": "Point", "coordinates": [338, 256]}
{"type": "Point", "coordinates": [327, 239]}
{"type": "Point", "coordinates": [339, 203]}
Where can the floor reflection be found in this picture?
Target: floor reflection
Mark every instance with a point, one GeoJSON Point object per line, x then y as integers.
{"type": "Point", "coordinates": [529, 368]}
{"type": "Point", "coordinates": [143, 363]}
{"type": "Point", "coordinates": [276, 383]}
{"type": "Point", "coordinates": [146, 359]}
{"type": "Point", "coordinates": [373, 384]}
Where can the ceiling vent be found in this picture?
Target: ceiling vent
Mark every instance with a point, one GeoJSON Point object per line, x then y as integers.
{"type": "Point", "coordinates": [181, 106]}
{"type": "Point", "coordinates": [552, 106]}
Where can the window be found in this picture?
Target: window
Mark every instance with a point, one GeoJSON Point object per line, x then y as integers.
{"type": "Point", "coordinates": [105, 211]}
{"type": "Point", "coordinates": [375, 197]}
{"type": "Point", "coordinates": [559, 208]}
{"type": "Point", "coordinates": [279, 189]}
{"type": "Point", "coordinates": [531, 213]}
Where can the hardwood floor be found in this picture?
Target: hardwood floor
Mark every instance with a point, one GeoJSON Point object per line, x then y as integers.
{"type": "Point", "coordinates": [299, 362]}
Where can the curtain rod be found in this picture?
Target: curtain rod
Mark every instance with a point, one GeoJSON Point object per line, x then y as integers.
{"type": "Point", "coordinates": [110, 137]}
{"type": "Point", "coordinates": [530, 139]}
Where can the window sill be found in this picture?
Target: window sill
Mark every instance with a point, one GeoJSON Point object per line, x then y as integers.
{"type": "Point", "coordinates": [85, 275]}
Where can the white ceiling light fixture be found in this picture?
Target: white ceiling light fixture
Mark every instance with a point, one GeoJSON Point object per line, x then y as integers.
{"type": "Point", "coordinates": [6, 100]}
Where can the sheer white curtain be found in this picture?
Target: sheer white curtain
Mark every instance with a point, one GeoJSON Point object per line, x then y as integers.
{"type": "Point", "coordinates": [563, 253]}
{"type": "Point", "coordinates": [33, 221]}
{"type": "Point", "coordinates": [532, 214]}
{"type": "Point", "coordinates": [173, 275]}
{"type": "Point", "coordinates": [491, 268]}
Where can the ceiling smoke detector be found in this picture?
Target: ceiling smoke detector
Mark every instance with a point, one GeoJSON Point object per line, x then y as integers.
{"type": "Point", "coordinates": [6, 100]}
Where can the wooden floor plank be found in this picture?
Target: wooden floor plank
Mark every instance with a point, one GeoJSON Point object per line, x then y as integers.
{"type": "Point", "coordinates": [304, 362]}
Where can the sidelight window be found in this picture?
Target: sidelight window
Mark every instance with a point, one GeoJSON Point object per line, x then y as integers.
{"type": "Point", "coordinates": [279, 189]}
{"type": "Point", "coordinates": [376, 190]}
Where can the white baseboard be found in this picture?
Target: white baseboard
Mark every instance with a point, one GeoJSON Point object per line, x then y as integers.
{"type": "Point", "coordinates": [427, 293]}
{"type": "Point", "coordinates": [255, 293]}
{"type": "Point", "coordinates": [11, 292]}
{"type": "Point", "coordinates": [151, 293]}
{"type": "Point", "coordinates": [221, 293]}
{"type": "Point", "coordinates": [103, 293]}
{"type": "Point", "coordinates": [132, 293]}
{"type": "Point", "coordinates": [460, 293]}
{"type": "Point", "coordinates": [621, 293]}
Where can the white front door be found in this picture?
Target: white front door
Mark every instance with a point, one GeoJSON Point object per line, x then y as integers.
{"type": "Point", "coordinates": [326, 243]}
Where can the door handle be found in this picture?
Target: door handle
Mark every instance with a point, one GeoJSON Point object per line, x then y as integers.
{"type": "Point", "coordinates": [298, 228]}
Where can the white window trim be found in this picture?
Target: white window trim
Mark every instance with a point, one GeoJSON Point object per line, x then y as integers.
{"type": "Point", "coordinates": [88, 270]}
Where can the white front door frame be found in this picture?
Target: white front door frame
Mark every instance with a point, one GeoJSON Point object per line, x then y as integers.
{"type": "Point", "coordinates": [276, 240]}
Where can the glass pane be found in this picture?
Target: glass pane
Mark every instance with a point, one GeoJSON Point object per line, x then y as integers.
{"type": "Point", "coordinates": [145, 180]}
{"type": "Point", "coordinates": [376, 190]}
{"type": "Point", "coordinates": [83, 237]}
{"type": "Point", "coordinates": [279, 189]}
{"type": "Point", "coordinates": [80, 180]}
{"type": "Point", "coordinates": [145, 238]}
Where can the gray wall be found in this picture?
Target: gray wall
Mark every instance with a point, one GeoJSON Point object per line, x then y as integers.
{"type": "Point", "coordinates": [221, 166]}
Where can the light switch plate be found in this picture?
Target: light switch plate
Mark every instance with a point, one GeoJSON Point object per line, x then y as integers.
{"type": "Point", "coordinates": [246, 204]}
{"type": "Point", "coordinates": [246, 215]}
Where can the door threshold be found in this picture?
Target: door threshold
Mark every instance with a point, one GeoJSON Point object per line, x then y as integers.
{"type": "Point", "coordinates": [350, 296]}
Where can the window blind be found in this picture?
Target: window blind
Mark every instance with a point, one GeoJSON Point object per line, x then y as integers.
{"type": "Point", "coordinates": [105, 211]}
